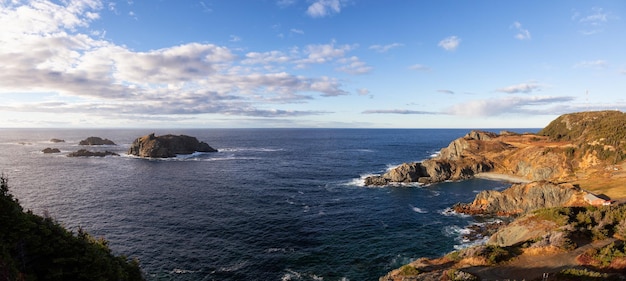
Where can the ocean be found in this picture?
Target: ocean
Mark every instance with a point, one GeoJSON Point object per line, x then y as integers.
{"type": "Point", "coordinates": [272, 204]}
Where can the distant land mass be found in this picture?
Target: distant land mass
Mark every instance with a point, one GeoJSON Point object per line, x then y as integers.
{"type": "Point", "coordinates": [567, 201]}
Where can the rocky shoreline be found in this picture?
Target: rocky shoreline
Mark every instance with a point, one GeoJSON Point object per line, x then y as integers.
{"type": "Point", "coordinates": [546, 195]}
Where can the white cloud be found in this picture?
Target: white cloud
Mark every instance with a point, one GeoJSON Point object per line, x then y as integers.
{"type": "Point", "coordinates": [520, 88]}
{"type": "Point", "coordinates": [450, 43]}
{"type": "Point", "coordinates": [419, 67]}
{"type": "Point", "coordinates": [522, 34]}
{"type": "Point", "coordinates": [88, 75]}
{"type": "Point", "coordinates": [597, 64]}
{"type": "Point", "coordinates": [508, 105]}
{"type": "Point", "coordinates": [234, 38]}
{"type": "Point", "coordinates": [266, 58]}
{"type": "Point", "coordinates": [323, 53]}
{"type": "Point", "coordinates": [323, 8]}
{"type": "Point", "coordinates": [593, 22]}
{"type": "Point", "coordinates": [449, 92]}
{"type": "Point", "coordinates": [363, 92]}
{"type": "Point", "coordinates": [385, 48]}
{"type": "Point", "coordinates": [354, 65]}
{"type": "Point", "coordinates": [296, 31]}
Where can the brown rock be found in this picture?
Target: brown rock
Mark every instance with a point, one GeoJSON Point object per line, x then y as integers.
{"type": "Point", "coordinates": [87, 153]}
{"type": "Point", "coordinates": [165, 146]}
{"type": "Point", "coordinates": [96, 141]}
{"type": "Point", "coordinates": [48, 150]}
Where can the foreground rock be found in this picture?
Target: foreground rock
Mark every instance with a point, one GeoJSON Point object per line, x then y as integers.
{"type": "Point", "coordinates": [96, 141]}
{"type": "Point", "coordinates": [523, 198]}
{"type": "Point", "coordinates": [165, 146]}
{"type": "Point", "coordinates": [87, 153]}
{"type": "Point", "coordinates": [49, 150]}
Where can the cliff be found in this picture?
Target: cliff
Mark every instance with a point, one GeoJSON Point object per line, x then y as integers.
{"type": "Point", "coordinates": [167, 146]}
{"type": "Point", "coordinates": [555, 230]}
{"type": "Point", "coordinates": [587, 148]}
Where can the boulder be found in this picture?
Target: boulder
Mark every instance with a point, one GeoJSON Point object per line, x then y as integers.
{"type": "Point", "coordinates": [165, 146]}
{"type": "Point", "coordinates": [87, 153]}
{"type": "Point", "coordinates": [96, 141]}
{"type": "Point", "coordinates": [48, 150]}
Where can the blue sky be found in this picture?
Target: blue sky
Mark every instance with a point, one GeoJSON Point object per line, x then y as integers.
{"type": "Point", "coordinates": [308, 63]}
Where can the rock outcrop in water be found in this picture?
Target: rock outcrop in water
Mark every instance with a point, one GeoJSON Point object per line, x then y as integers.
{"type": "Point", "coordinates": [96, 141]}
{"type": "Point", "coordinates": [87, 153]}
{"type": "Point", "coordinates": [165, 146]}
{"type": "Point", "coordinates": [49, 150]}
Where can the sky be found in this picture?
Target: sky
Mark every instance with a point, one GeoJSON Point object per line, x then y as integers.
{"type": "Point", "coordinates": [308, 63]}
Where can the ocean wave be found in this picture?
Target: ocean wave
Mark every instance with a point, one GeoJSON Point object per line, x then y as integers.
{"type": "Point", "coordinates": [292, 275]}
{"type": "Point", "coordinates": [183, 271]}
{"type": "Point", "coordinates": [450, 212]}
{"type": "Point", "coordinates": [360, 181]}
{"type": "Point", "coordinates": [418, 210]}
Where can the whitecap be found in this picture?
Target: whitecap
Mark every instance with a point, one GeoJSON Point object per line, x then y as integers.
{"type": "Point", "coordinates": [450, 212]}
{"type": "Point", "coordinates": [418, 210]}
{"type": "Point", "coordinates": [182, 271]}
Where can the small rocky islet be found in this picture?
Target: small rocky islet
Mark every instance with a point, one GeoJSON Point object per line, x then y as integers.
{"type": "Point", "coordinates": [148, 146]}
{"type": "Point", "coordinates": [558, 210]}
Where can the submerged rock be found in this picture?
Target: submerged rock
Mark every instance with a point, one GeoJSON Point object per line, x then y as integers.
{"type": "Point", "coordinates": [165, 146]}
{"type": "Point", "coordinates": [96, 141]}
{"type": "Point", "coordinates": [87, 153]}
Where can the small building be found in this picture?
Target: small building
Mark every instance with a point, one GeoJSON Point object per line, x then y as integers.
{"type": "Point", "coordinates": [596, 200]}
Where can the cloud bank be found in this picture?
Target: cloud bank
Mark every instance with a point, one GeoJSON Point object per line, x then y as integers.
{"type": "Point", "coordinates": [83, 74]}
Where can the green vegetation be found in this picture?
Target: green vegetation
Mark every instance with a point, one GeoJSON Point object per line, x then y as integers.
{"type": "Point", "coordinates": [582, 275]}
{"type": "Point", "coordinates": [36, 248]}
{"type": "Point", "coordinates": [602, 133]}
{"type": "Point", "coordinates": [604, 256]}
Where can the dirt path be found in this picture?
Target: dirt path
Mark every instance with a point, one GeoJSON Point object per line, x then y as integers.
{"type": "Point", "coordinates": [530, 267]}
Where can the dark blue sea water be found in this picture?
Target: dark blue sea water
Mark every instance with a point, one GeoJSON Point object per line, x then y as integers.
{"type": "Point", "coordinates": [272, 204]}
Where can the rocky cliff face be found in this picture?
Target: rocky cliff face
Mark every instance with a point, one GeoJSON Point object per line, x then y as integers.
{"type": "Point", "coordinates": [522, 198]}
{"type": "Point", "coordinates": [462, 159]}
{"type": "Point", "coordinates": [167, 146]}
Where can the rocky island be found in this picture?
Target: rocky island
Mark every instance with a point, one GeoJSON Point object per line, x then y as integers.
{"type": "Point", "coordinates": [165, 146]}
{"type": "Point", "coordinates": [96, 141]}
{"type": "Point", "coordinates": [565, 226]}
